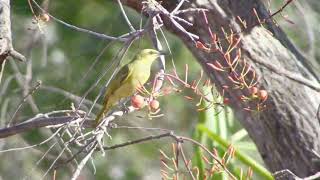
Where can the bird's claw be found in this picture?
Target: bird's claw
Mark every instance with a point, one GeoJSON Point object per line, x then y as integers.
{"type": "Point", "coordinates": [125, 109]}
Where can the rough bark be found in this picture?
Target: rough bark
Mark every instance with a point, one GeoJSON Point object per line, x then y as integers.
{"type": "Point", "coordinates": [288, 131]}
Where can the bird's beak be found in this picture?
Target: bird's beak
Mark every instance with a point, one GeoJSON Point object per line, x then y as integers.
{"type": "Point", "coordinates": [164, 53]}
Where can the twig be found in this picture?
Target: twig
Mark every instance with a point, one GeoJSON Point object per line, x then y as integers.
{"type": "Point", "coordinates": [3, 64]}
{"type": "Point", "coordinates": [281, 8]}
{"type": "Point", "coordinates": [157, 44]}
{"type": "Point", "coordinates": [98, 35]}
{"type": "Point", "coordinates": [53, 163]}
{"type": "Point", "coordinates": [6, 47]}
{"type": "Point", "coordinates": [20, 81]}
{"type": "Point", "coordinates": [186, 162]}
{"type": "Point", "coordinates": [24, 99]}
{"type": "Point", "coordinates": [177, 139]}
{"type": "Point", "coordinates": [32, 146]}
{"type": "Point", "coordinates": [39, 161]}
{"type": "Point", "coordinates": [16, 55]}
{"type": "Point", "coordinates": [39, 122]}
{"type": "Point", "coordinates": [125, 16]}
{"type": "Point", "coordinates": [178, 6]}
{"type": "Point", "coordinates": [82, 163]}
{"type": "Point", "coordinates": [143, 128]}
{"type": "Point", "coordinates": [69, 95]}
{"type": "Point", "coordinates": [210, 153]}
{"type": "Point", "coordinates": [152, 137]}
{"type": "Point", "coordinates": [77, 153]}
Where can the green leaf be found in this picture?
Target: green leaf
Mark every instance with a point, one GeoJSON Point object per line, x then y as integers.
{"type": "Point", "coordinates": [256, 167]}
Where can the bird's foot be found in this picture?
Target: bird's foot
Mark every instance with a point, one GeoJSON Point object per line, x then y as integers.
{"type": "Point", "coordinates": [125, 109]}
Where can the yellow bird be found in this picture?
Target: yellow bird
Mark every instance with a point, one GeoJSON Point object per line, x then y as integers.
{"type": "Point", "coordinates": [128, 79]}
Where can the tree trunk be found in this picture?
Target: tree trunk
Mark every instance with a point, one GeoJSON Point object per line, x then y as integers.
{"type": "Point", "coordinates": [287, 131]}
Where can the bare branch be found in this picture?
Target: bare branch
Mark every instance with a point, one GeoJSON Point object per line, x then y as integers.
{"type": "Point", "coordinates": [125, 16]}
{"type": "Point", "coordinates": [138, 141]}
{"type": "Point", "coordinates": [99, 35]}
{"type": "Point", "coordinates": [16, 55]}
{"type": "Point", "coordinates": [83, 163]}
{"type": "Point", "coordinates": [69, 95]}
{"type": "Point", "coordinates": [178, 6]}
{"type": "Point", "coordinates": [39, 122]}
{"type": "Point", "coordinates": [24, 99]}
{"type": "Point", "coordinates": [6, 47]}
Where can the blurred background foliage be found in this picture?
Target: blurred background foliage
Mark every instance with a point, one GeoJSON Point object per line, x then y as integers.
{"type": "Point", "coordinates": [61, 58]}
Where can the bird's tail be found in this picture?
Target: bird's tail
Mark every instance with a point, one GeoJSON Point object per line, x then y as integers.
{"type": "Point", "coordinates": [102, 113]}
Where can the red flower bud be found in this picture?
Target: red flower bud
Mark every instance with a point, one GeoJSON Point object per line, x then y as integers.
{"type": "Point", "coordinates": [263, 95]}
{"type": "Point", "coordinates": [226, 101]}
{"type": "Point", "coordinates": [253, 90]}
{"type": "Point", "coordinates": [137, 101]}
{"type": "Point", "coordinates": [45, 17]}
{"type": "Point", "coordinates": [154, 104]}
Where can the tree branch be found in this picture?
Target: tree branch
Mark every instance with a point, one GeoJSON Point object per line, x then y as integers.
{"type": "Point", "coordinates": [39, 122]}
{"type": "Point", "coordinates": [6, 48]}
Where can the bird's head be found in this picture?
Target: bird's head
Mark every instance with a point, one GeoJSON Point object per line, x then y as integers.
{"type": "Point", "coordinates": [149, 54]}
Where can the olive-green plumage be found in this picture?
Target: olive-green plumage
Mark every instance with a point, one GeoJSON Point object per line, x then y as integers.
{"type": "Point", "coordinates": [128, 79]}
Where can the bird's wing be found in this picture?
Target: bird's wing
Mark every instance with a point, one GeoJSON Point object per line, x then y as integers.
{"type": "Point", "coordinates": [124, 73]}
{"type": "Point", "coordinates": [118, 80]}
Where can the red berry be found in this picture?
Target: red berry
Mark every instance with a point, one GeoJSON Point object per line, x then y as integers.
{"type": "Point", "coordinates": [154, 104]}
{"type": "Point", "coordinates": [137, 101]}
{"type": "Point", "coordinates": [253, 90]}
{"type": "Point", "coordinates": [263, 95]}
{"type": "Point", "coordinates": [226, 101]}
{"type": "Point", "coordinates": [45, 17]}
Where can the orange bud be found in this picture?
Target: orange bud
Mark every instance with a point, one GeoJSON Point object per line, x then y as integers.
{"type": "Point", "coordinates": [154, 104]}
{"type": "Point", "coordinates": [263, 95]}
{"type": "Point", "coordinates": [216, 65]}
{"type": "Point", "coordinates": [200, 45]}
{"type": "Point", "coordinates": [137, 101]}
{"type": "Point", "coordinates": [225, 87]}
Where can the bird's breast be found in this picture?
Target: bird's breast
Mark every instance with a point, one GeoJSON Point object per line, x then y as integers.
{"type": "Point", "coordinates": [140, 78]}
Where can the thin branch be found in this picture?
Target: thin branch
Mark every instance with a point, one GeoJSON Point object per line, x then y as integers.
{"type": "Point", "coordinates": [53, 163]}
{"type": "Point", "coordinates": [77, 153]}
{"type": "Point", "coordinates": [39, 161]}
{"type": "Point", "coordinates": [40, 122]}
{"type": "Point", "coordinates": [125, 16]}
{"type": "Point", "coordinates": [210, 153]}
{"type": "Point", "coordinates": [177, 139]}
{"type": "Point", "coordinates": [83, 163]}
{"type": "Point", "coordinates": [178, 6]}
{"type": "Point", "coordinates": [16, 55]}
{"type": "Point", "coordinates": [32, 146]}
{"type": "Point", "coordinates": [152, 137]}
{"type": "Point", "coordinates": [69, 95]}
{"type": "Point", "coordinates": [24, 99]}
{"type": "Point", "coordinates": [20, 81]}
{"type": "Point", "coordinates": [96, 34]}
{"type": "Point", "coordinates": [186, 162]}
